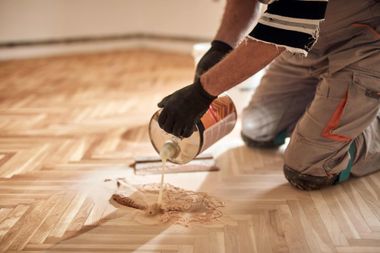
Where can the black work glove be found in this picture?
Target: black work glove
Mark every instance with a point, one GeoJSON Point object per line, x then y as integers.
{"type": "Point", "coordinates": [182, 109]}
{"type": "Point", "coordinates": [218, 50]}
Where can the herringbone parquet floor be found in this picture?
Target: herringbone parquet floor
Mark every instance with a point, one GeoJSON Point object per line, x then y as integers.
{"type": "Point", "coordinates": [68, 123]}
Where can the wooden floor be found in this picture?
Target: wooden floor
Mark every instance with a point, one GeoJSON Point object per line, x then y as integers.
{"type": "Point", "coordinates": [68, 123]}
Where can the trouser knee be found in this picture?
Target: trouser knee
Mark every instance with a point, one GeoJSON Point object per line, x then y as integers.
{"type": "Point", "coordinates": [312, 164]}
{"type": "Point", "coordinates": [308, 182]}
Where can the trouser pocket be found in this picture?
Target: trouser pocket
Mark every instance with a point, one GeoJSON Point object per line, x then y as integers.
{"type": "Point", "coordinates": [358, 108]}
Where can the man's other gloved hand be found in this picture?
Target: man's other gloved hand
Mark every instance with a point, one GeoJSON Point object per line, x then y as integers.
{"type": "Point", "coordinates": [182, 109]}
{"type": "Point", "coordinates": [216, 53]}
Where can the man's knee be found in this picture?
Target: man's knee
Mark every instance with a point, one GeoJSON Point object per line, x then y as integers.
{"type": "Point", "coordinates": [308, 182]}
{"type": "Point", "coordinates": [312, 165]}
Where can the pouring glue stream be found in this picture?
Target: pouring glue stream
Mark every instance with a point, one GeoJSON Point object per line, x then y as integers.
{"type": "Point", "coordinates": [217, 122]}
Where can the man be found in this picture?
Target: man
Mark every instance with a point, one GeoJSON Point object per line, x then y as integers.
{"type": "Point", "coordinates": [323, 88]}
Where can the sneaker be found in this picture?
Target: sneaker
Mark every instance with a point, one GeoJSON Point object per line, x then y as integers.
{"type": "Point", "coordinates": [275, 143]}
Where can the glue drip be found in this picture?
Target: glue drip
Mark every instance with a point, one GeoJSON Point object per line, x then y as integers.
{"type": "Point", "coordinates": [169, 150]}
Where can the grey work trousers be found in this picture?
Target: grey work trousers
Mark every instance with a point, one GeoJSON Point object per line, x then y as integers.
{"type": "Point", "coordinates": [328, 100]}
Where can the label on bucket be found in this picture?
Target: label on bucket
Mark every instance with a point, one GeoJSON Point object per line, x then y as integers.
{"type": "Point", "coordinates": [218, 121]}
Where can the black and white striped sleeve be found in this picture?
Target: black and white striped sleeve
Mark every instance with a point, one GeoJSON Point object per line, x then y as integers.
{"type": "Point", "coordinates": [293, 24]}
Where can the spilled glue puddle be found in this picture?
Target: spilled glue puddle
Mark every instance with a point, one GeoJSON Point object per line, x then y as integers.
{"type": "Point", "coordinates": [178, 206]}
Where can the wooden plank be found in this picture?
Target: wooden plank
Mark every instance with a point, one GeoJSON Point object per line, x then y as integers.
{"type": "Point", "coordinates": [10, 220]}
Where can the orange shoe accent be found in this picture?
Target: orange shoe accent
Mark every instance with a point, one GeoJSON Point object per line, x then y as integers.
{"type": "Point", "coordinates": [334, 122]}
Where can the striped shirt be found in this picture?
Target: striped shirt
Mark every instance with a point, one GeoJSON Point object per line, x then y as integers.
{"type": "Point", "coordinates": [293, 24]}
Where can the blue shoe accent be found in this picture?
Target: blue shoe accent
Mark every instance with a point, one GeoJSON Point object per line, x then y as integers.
{"type": "Point", "coordinates": [280, 138]}
{"type": "Point", "coordinates": [345, 174]}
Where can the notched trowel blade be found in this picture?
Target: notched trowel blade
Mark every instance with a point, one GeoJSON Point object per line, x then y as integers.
{"type": "Point", "coordinates": [145, 165]}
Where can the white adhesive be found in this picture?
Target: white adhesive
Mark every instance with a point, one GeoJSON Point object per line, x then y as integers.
{"type": "Point", "coordinates": [167, 151]}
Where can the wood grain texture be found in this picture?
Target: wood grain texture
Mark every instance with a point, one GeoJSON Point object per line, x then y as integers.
{"type": "Point", "coordinates": [68, 123]}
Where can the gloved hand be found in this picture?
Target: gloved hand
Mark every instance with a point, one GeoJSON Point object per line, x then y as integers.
{"type": "Point", "coordinates": [218, 50]}
{"type": "Point", "coordinates": [182, 109]}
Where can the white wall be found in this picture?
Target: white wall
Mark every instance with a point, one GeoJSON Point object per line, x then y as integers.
{"type": "Point", "coordinates": [29, 20]}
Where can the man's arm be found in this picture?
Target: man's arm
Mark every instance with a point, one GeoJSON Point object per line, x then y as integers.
{"type": "Point", "coordinates": [184, 107]}
{"type": "Point", "coordinates": [237, 20]}
{"type": "Point", "coordinates": [248, 58]}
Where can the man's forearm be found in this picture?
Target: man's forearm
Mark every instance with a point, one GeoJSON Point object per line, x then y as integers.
{"type": "Point", "coordinates": [247, 59]}
{"type": "Point", "coordinates": [237, 19]}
